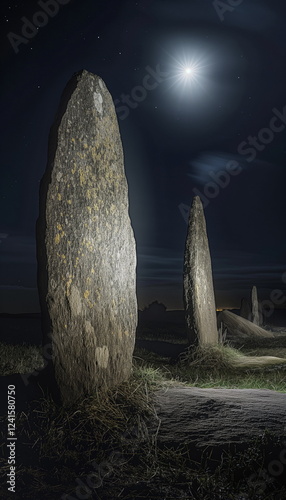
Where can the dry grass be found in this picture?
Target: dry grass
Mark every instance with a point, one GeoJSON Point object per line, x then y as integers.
{"type": "Point", "coordinates": [19, 358]}
{"type": "Point", "coordinates": [225, 358]}
{"type": "Point", "coordinates": [106, 437]}
{"type": "Point", "coordinates": [61, 445]}
{"type": "Point", "coordinates": [218, 366]}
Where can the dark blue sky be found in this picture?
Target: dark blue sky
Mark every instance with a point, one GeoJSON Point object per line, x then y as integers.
{"type": "Point", "coordinates": [220, 134]}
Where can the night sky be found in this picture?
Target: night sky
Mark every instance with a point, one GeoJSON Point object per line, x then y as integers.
{"type": "Point", "coordinates": [199, 88]}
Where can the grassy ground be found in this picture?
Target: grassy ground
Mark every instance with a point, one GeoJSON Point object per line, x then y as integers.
{"type": "Point", "coordinates": [241, 366]}
{"type": "Point", "coordinates": [101, 449]}
{"type": "Point", "coordinates": [19, 358]}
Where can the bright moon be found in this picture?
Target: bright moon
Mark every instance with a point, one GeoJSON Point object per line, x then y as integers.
{"type": "Point", "coordinates": [190, 71]}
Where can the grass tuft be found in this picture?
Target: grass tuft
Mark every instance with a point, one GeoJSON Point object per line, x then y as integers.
{"type": "Point", "coordinates": [61, 444]}
{"type": "Point", "coordinates": [217, 358]}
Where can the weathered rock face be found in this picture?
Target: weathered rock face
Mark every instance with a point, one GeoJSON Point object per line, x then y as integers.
{"type": "Point", "coordinates": [251, 309]}
{"type": "Point", "coordinates": [199, 298]}
{"type": "Point", "coordinates": [245, 310]}
{"type": "Point", "coordinates": [255, 315]}
{"type": "Point", "coordinates": [86, 246]}
{"type": "Point", "coordinates": [238, 327]}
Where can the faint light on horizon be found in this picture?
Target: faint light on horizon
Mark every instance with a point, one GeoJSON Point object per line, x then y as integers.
{"type": "Point", "coordinates": [219, 309]}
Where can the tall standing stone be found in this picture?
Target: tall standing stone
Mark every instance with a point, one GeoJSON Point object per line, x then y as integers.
{"type": "Point", "coordinates": [199, 298]}
{"type": "Point", "coordinates": [255, 313]}
{"type": "Point", "coordinates": [85, 244]}
{"type": "Point", "coordinates": [245, 309]}
{"type": "Point", "coordinates": [251, 309]}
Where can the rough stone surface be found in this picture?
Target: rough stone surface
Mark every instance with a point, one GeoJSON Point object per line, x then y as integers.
{"type": "Point", "coordinates": [216, 418]}
{"type": "Point", "coordinates": [251, 309]}
{"type": "Point", "coordinates": [199, 298]}
{"type": "Point", "coordinates": [86, 246]}
{"type": "Point", "coordinates": [255, 315]}
{"type": "Point", "coordinates": [238, 327]}
{"type": "Point", "coordinates": [245, 310]}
